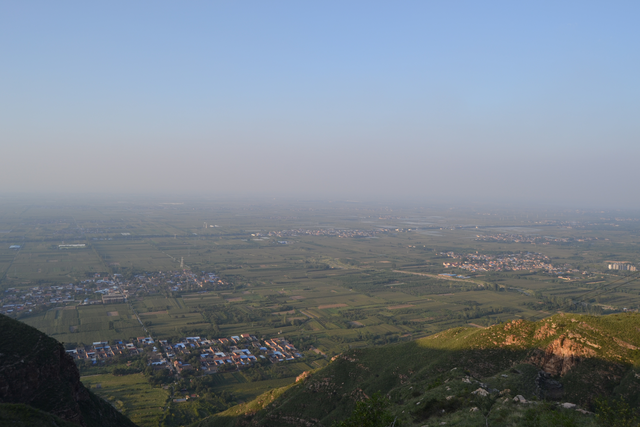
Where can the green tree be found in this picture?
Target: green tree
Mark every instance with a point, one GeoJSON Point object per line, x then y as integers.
{"type": "Point", "coordinates": [616, 413]}
{"type": "Point", "coordinates": [372, 412]}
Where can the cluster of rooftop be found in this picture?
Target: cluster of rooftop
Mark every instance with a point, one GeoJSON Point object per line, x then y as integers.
{"type": "Point", "coordinates": [339, 232]}
{"type": "Point", "coordinates": [236, 351]}
{"type": "Point", "coordinates": [522, 238]}
{"type": "Point", "coordinates": [104, 290]}
{"type": "Point", "coordinates": [18, 300]}
{"type": "Point", "coordinates": [175, 281]}
{"type": "Point", "coordinates": [101, 350]}
{"type": "Point", "coordinates": [239, 351]}
{"type": "Point", "coordinates": [506, 262]}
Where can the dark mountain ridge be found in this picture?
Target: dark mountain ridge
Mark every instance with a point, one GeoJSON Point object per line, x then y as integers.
{"type": "Point", "coordinates": [36, 371]}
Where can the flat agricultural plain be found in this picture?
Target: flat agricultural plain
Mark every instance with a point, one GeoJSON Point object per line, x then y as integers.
{"type": "Point", "coordinates": [329, 275]}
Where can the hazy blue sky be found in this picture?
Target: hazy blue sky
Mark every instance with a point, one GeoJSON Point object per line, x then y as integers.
{"type": "Point", "coordinates": [355, 99]}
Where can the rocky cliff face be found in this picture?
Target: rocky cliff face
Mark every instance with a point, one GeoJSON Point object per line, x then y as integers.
{"type": "Point", "coordinates": [561, 355]}
{"type": "Point", "coordinates": [35, 370]}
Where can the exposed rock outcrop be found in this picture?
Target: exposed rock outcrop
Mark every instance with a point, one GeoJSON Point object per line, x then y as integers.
{"type": "Point", "coordinates": [544, 332]}
{"type": "Point", "coordinates": [561, 355]}
{"type": "Point", "coordinates": [303, 376]}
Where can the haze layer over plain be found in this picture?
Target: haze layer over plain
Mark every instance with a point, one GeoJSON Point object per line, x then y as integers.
{"type": "Point", "coordinates": [483, 100]}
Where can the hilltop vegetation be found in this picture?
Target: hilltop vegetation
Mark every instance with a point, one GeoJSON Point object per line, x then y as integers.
{"type": "Point", "coordinates": [558, 371]}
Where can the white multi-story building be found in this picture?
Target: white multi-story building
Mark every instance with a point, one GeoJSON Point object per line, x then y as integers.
{"type": "Point", "coordinates": [622, 266]}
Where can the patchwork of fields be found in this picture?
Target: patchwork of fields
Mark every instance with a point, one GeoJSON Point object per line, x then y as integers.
{"type": "Point", "coordinates": [320, 288]}
{"type": "Point", "coordinates": [87, 324]}
{"type": "Point", "coordinates": [288, 273]}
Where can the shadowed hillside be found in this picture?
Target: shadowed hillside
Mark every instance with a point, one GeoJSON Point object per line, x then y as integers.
{"type": "Point", "coordinates": [36, 371]}
{"type": "Point", "coordinates": [17, 414]}
{"type": "Point", "coordinates": [550, 372]}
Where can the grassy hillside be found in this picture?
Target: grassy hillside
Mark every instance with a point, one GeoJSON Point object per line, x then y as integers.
{"type": "Point", "coordinates": [471, 377]}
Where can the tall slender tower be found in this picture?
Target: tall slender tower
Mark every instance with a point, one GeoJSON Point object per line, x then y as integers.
{"type": "Point", "coordinates": [181, 262]}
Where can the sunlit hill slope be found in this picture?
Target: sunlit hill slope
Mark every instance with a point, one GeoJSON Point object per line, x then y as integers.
{"type": "Point", "coordinates": [516, 373]}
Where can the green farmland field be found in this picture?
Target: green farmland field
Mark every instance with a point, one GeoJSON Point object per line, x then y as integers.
{"type": "Point", "coordinates": [130, 394]}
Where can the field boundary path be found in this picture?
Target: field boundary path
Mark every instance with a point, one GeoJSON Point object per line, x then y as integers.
{"type": "Point", "coordinates": [437, 276]}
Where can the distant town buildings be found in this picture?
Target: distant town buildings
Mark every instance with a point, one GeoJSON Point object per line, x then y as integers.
{"type": "Point", "coordinates": [104, 290]}
{"type": "Point", "coordinates": [625, 266]}
{"type": "Point", "coordinates": [507, 262]}
{"type": "Point", "coordinates": [338, 232]}
{"type": "Point", "coordinates": [544, 240]}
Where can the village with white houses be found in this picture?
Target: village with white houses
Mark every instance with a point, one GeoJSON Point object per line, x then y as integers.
{"type": "Point", "coordinates": [533, 239]}
{"type": "Point", "coordinates": [525, 261]}
{"type": "Point", "coordinates": [214, 354]}
{"type": "Point", "coordinates": [336, 232]}
{"type": "Point", "coordinates": [103, 289]}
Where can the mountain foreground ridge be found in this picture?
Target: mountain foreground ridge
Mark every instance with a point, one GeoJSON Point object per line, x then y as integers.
{"type": "Point", "coordinates": [40, 383]}
{"type": "Point", "coordinates": [556, 371]}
